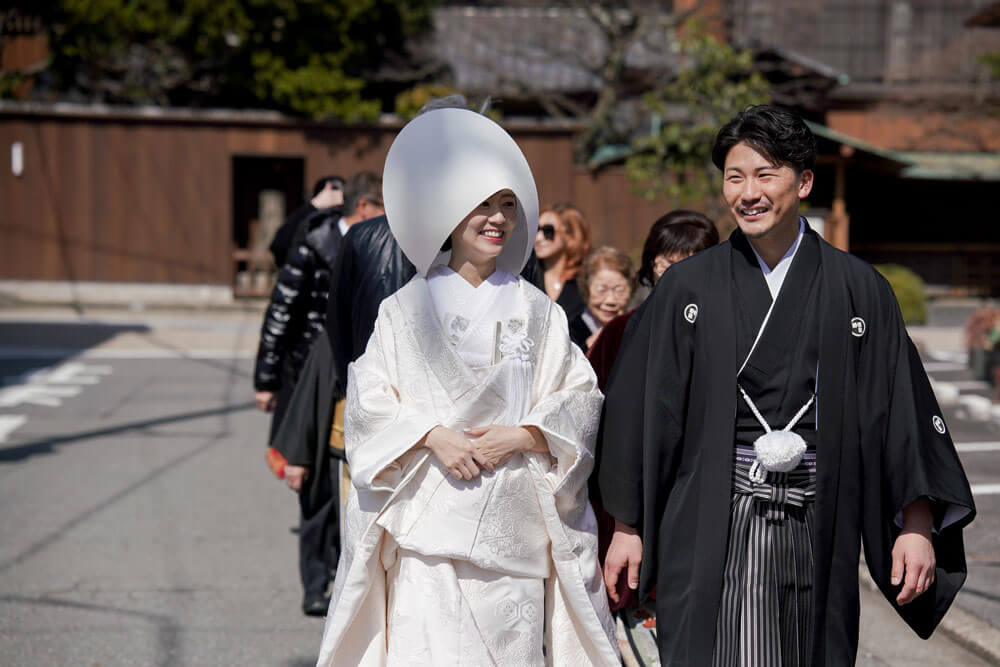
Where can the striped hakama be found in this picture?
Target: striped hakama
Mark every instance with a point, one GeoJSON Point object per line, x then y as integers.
{"type": "Point", "coordinates": [765, 614]}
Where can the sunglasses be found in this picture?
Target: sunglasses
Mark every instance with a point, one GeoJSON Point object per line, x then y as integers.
{"type": "Point", "coordinates": [548, 231]}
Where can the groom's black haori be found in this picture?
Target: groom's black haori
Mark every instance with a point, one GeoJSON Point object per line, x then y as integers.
{"type": "Point", "coordinates": [678, 447]}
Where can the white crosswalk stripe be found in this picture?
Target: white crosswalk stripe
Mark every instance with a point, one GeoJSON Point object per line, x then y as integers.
{"type": "Point", "coordinates": [37, 394]}
{"type": "Point", "coordinates": [9, 424]}
{"type": "Point", "coordinates": [937, 366]}
{"type": "Point", "coordinates": [977, 446]}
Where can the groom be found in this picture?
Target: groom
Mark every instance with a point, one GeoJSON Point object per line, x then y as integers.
{"type": "Point", "coordinates": [775, 329]}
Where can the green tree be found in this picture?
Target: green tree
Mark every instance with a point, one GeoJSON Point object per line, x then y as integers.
{"type": "Point", "coordinates": [661, 86]}
{"type": "Point", "coordinates": [714, 81]}
{"type": "Point", "coordinates": [309, 57]}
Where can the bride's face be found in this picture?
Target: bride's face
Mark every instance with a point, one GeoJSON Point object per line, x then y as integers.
{"type": "Point", "coordinates": [481, 236]}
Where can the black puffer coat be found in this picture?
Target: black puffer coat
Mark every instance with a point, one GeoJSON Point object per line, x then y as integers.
{"type": "Point", "coordinates": [297, 312]}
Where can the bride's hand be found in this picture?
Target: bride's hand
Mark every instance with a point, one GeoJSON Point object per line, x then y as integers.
{"type": "Point", "coordinates": [454, 451]}
{"type": "Point", "coordinates": [495, 444]}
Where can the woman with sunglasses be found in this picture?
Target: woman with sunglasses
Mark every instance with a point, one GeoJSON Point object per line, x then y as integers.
{"type": "Point", "coordinates": [561, 243]}
{"type": "Point", "coordinates": [607, 280]}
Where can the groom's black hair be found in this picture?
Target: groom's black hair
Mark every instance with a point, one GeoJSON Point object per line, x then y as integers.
{"type": "Point", "coordinates": [779, 134]}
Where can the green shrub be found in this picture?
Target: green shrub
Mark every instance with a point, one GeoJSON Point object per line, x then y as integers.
{"type": "Point", "coordinates": [909, 290]}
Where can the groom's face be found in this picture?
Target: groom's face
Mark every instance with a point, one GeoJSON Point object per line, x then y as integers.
{"type": "Point", "coordinates": [762, 197]}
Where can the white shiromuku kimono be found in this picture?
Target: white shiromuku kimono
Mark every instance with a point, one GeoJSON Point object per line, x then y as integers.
{"type": "Point", "coordinates": [498, 570]}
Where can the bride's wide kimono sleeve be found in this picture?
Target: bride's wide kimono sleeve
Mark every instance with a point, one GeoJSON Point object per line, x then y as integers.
{"type": "Point", "coordinates": [566, 408]}
{"type": "Point", "coordinates": [378, 428]}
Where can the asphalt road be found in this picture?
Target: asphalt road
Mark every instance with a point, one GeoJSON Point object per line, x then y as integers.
{"type": "Point", "coordinates": [140, 525]}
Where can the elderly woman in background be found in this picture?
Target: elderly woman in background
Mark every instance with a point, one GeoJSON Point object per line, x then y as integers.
{"type": "Point", "coordinates": [673, 237]}
{"type": "Point", "coordinates": [607, 280]}
{"type": "Point", "coordinates": [561, 243]}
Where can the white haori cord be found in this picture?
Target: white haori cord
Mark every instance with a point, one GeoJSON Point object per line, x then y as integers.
{"type": "Point", "coordinates": [776, 451]}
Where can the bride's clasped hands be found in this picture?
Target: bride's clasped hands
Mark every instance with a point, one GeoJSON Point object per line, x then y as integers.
{"type": "Point", "coordinates": [465, 454]}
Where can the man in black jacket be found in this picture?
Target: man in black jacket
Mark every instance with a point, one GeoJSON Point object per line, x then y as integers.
{"type": "Point", "coordinates": [328, 194]}
{"type": "Point", "coordinates": [294, 318]}
{"type": "Point", "coordinates": [297, 311]}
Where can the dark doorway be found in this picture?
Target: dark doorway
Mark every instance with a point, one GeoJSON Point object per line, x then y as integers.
{"type": "Point", "coordinates": [265, 190]}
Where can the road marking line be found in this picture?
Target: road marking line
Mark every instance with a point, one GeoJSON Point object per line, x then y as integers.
{"type": "Point", "coordinates": [69, 373]}
{"type": "Point", "coordinates": [970, 385]}
{"type": "Point", "coordinates": [39, 394]}
{"type": "Point", "coordinates": [977, 446]}
{"type": "Point", "coordinates": [955, 357]}
{"type": "Point", "coordinates": [9, 424]}
{"type": "Point", "coordinates": [943, 366]}
{"type": "Point", "coordinates": [985, 489]}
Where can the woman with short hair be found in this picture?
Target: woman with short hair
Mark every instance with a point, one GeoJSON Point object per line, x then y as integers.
{"type": "Point", "coordinates": [674, 236]}
{"type": "Point", "coordinates": [607, 280]}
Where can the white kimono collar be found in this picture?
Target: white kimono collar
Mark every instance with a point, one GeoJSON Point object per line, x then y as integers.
{"type": "Point", "coordinates": [776, 276]}
{"type": "Point", "coordinates": [457, 379]}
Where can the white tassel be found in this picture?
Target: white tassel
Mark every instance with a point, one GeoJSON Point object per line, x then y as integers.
{"type": "Point", "coordinates": [776, 451]}
{"type": "Point", "coordinates": [516, 351]}
{"type": "Point", "coordinates": [779, 451]}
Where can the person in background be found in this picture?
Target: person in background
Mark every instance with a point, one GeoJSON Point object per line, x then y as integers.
{"type": "Point", "coordinates": [292, 323]}
{"type": "Point", "coordinates": [562, 241]}
{"type": "Point", "coordinates": [672, 238]}
{"type": "Point", "coordinates": [607, 280]}
{"type": "Point", "coordinates": [327, 197]}
{"type": "Point", "coordinates": [297, 311]}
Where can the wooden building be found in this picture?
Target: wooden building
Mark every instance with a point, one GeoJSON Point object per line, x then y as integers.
{"type": "Point", "coordinates": [916, 89]}
{"type": "Point", "coordinates": [172, 196]}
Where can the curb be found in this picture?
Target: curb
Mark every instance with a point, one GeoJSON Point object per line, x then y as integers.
{"type": "Point", "coordinates": [963, 628]}
{"type": "Point", "coordinates": [128, 295]}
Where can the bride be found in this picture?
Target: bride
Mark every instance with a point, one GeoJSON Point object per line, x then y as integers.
{"type": "Point", "coordinates": [469, 424]}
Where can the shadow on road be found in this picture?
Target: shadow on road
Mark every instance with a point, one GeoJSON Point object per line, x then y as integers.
{"type": "Point", "coordinates": [29, 346]}
{"type": "Point", "coordinates": [48, 445]}
{"type": "Point", "coordinates": [982, 594]}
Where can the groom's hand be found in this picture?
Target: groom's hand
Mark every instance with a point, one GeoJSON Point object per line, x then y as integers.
{"type": "Point", "coordinates": [913, 559]}
{"type": "Point", "coordinates": [624, 553]}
